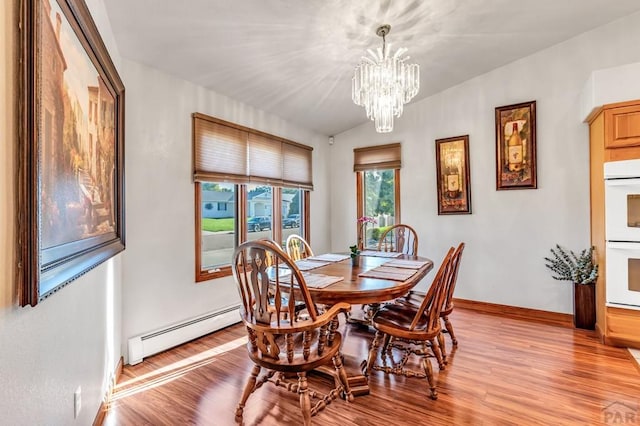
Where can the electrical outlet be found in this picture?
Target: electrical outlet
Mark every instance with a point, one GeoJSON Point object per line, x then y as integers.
{"type": "Point", "coordinates": [77, 402]}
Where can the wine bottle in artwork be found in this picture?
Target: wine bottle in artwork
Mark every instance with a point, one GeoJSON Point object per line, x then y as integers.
{"type": "Point", "coordinates": [453, 180]}
{"type": "Point", "coordinates": [515, 150]}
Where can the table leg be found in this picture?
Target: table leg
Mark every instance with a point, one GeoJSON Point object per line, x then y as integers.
{"type": "Point", "coordinates": [368, 312]}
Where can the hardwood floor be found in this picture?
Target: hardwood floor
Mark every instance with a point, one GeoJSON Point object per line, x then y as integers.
{"type": "Point", "coordinates": [505, 371]}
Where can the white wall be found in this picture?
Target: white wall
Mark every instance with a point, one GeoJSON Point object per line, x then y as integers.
{"type": "Point", "coordinates": [159, 284]}
{"type": "Point", "coordinates": [71, 338]}
{"type": "Point", "coordinates": [610, 85]}
{"type": "Point", "coordinates": [509, 232]}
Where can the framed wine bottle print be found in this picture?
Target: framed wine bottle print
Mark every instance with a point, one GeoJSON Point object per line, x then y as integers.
{"type": "Point", "coordinates": [453, 179]}
{"type": "Point", "coordinates": [516, 146]}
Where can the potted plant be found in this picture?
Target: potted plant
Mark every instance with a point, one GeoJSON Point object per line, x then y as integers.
{"type": "Point", "coordinates": [355, 255]}
{"type": "Point", "coordinates": [581, 270]}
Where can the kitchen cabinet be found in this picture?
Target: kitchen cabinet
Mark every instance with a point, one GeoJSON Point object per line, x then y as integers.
{"type": "Point", "coordinates": [614, 134]}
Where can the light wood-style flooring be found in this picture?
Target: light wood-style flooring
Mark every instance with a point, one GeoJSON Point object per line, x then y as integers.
{"type": "Point", "coordinates": [505, 371]}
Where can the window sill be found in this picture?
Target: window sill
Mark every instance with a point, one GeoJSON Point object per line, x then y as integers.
{"type": "Point", "coordinates": [211, 274]}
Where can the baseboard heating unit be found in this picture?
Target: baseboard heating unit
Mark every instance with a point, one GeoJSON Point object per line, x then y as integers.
{"type": "Point", "coordinates": [160, 340]}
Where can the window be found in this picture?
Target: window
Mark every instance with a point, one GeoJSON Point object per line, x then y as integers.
{"type": "Point", "coordinates": [259, 184]}
{"type": "Point", "coordinates": [217, 231]}
{"type": "Point", "coordinates": [378, 189]}
{"type": "Point", "coordinates": [292, 207]}
{"type": "Point", "coordinates": [259, 210]}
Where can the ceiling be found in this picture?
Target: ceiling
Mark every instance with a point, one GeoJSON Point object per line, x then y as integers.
{"type": "Point", "coordinates": [295, 59]}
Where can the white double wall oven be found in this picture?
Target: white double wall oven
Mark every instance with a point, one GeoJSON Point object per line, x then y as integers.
{"type": "Point", "coordinates": [622, 233]}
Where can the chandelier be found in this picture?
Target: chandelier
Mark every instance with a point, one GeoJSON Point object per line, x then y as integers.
{"type": "Point", "coordinates": [383, 83]}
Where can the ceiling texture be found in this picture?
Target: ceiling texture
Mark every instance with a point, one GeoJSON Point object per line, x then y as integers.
{"type": "Point", "coordinates": [295, 58]}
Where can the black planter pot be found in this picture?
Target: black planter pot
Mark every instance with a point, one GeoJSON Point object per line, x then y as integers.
{"type": "Point", "coordinates": [584, 306]}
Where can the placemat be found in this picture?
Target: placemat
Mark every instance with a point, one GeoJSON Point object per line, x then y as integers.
{"type": "Point", "coordinates": [403, 263]}
{"type": "Point", "coordinates": [306, 264]}
{"type": "Point", "coordinates": [320, 280]}
{"type": "Point", "coordinates": [388, 273]}
{"type": "Point", "coordinates": [380, 253]}
{"type": "Point", "coordinates": [329, 257]}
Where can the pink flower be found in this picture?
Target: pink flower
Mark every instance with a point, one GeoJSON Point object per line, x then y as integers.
{"type": "Point", "coordinates": [367, 219]}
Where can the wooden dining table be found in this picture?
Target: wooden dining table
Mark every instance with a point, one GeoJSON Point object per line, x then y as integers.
{"type": "Point", "coordinates": [357, 290]}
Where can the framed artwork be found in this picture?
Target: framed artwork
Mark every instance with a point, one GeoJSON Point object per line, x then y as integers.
{"type": "Point", "coordinates": [71, 147]}
{"type": "Point", "coordinates": [453, 178]}
{"type": "Point", "coordinates": [516, 146]}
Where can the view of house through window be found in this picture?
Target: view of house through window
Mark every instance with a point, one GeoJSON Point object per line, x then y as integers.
{"type": "Point", "coordinates": [218, 223]}
{"type": "Point", "coordinates": [291, 213]}
{"type": "Point", "coordinates": [378, 202]}
{"type": "Point", "coordinates": [259, 212]}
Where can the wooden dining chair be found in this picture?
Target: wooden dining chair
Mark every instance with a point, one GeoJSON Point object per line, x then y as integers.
{"type": "Point", "coordinates": [279, 340]}
{"type": "Point", "coordinates": [399, 238]}
{"type": "Point", "coordinates": [297, 247]}
{"type": "Point", "coordinates": [414, 330]}
{"type": "Point", "coordinates": [416, 297]}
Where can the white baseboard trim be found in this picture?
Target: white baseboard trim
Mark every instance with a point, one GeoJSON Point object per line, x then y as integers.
{"type": "Point", "coordinates": [160, 340]}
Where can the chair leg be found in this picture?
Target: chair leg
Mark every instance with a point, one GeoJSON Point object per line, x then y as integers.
{"type": "Point", "coordinates": [372, 353]}
{"type": "Point", "coordinates": [385, 344]}
{"type": "Point", "coordinates": [428, 370]}
{"type": "Point", "coordinates": [443, 349]}
{"type": "Point", "coordinates": [449, 328]}
{"type": "Point", "coordinates": [305, 400]}
{"type": "Point", "coordinates": [435, 348]}
{"type": "Point", "coordinates": [248, 389]}
{"type": "Point", "coordinates": [342, 376]}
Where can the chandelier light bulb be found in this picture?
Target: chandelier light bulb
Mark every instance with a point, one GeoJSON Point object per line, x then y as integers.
{"type": "Point", "coordinates": [384, 82]}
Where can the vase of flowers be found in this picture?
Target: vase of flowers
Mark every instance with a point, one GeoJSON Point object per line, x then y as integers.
{"type": "Point", "coordinates": [363, 222]}
{"type": "Point", "coordinates": [355, 255]}
{"type": "Point", "coordinates": [583, 272]}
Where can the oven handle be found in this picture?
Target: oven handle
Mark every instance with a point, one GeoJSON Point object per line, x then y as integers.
{"type": "Point", "coordinates": [623, 245]}
{"type": "Point", "coordinates": [622, 182]}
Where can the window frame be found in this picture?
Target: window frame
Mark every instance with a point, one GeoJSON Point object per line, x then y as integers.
{"type": "Point", "coordinates": [241, 231]}
{"type": "Point", "coordinates": [360, 208]}
{"type": "Point", "coordinates": [372, 158]}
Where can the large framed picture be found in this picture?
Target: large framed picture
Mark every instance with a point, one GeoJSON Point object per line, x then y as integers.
{"type": "Point", "coordinates": [453, 178]}
{"type": "Point", "coordinates": [516, 146]}
{"type": "Point", "coordinates": [71, 147]}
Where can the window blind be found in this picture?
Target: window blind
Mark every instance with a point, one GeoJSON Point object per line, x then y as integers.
{"type": "Point", "coordinates": [265, 160]}
{"type": "Point", "coordinates": [377, 157]}
{"type": "Point", "coordinates": [227, 152]}
{"type": "Point", "coordinates": [296, 166]}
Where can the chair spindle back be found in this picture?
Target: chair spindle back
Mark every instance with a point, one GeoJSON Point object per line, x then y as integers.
{"type": "Point", "coordinates": [434, 299]}
{"type": "Point", "coordinates": [261, 270]}
{"type": "Point", "coordinates": [297, 247]}
{"type": "Point", "coordinates": [399, 238]}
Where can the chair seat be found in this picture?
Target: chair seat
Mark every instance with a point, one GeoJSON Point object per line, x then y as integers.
{"type": "Point", "coordinates": [415, 298]}
{"type": "Point", "coordinates": [298, 363]}
{"type": "Point", "coordinates": [396, 320]}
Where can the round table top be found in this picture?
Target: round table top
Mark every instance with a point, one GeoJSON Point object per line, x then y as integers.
{"type": "Point", "coordinates": [363, 290]}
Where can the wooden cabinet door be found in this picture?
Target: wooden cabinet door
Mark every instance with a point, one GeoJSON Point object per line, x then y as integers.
{"type": "Point", "coordinates": [622, 126]}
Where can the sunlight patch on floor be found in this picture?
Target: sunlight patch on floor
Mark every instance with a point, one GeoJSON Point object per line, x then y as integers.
{"type": "Point", "coordinates": [173, 371]}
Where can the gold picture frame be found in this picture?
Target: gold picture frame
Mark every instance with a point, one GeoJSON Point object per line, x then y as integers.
{"type": "Point", "coordinates": [453, 175]}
